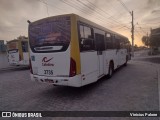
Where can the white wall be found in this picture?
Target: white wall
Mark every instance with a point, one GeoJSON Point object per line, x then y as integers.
{"type": "Point", "coordinates": [3, 60]}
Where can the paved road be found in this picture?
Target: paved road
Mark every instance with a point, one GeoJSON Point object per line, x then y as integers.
{"type": "Point", "coordinates": [132, 88]}
{"type": "Point", "coordinates": [143, 56]}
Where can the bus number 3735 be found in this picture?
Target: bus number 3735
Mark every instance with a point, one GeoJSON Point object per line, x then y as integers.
{"type": "Point", "coordinates": [48, 72]}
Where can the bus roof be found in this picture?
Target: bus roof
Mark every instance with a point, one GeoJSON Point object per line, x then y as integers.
{"type": "Point", "coordinates": [79, 18]}
{"type": "Point", "coordinates": [16, 40]}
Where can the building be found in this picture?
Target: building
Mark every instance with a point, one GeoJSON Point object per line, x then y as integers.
{"type": "Point", "coordinates": [3, 55]}
{"type": "Point", "coordinates": [155, 38]}
{"type": "Point", "coordinates": [155, 32]}
{"type": "Point", "coordinates": [2, 46]}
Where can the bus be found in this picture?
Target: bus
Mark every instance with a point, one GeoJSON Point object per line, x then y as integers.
{"type": "Point", "coordinates": [69, 50]}
{"type": "Point", "coordinates": [17, 51]}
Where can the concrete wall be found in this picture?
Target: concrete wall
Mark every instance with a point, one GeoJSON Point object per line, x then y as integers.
{"type": "Point", "coordinates": [3, 60]}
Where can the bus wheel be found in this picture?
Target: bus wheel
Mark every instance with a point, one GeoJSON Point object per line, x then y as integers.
{"type": "Point", "coordinates": [111, 70]}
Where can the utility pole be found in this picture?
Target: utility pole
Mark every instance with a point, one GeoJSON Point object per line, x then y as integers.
{"type": "Point", "coordinates": [147, 40]}
{"type": "Point", "coordinates": [132, 34]}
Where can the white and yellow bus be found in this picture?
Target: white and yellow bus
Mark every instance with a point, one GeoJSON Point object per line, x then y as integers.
{"type": "Point", "coordinates": [69, 50]}
{"type": "Point", "coordinates": [18, 52]}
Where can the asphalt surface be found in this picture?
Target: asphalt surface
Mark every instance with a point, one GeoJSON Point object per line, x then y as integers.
{"type": "Point", "coordinates": [132, 88]}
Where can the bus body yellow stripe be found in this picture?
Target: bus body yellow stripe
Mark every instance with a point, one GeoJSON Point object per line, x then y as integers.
{"type": "Point", "coordinates": [75, 51]}
{"type": "Point", "coordinates": [20, 49]}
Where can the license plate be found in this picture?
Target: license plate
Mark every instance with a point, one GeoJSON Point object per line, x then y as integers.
{"type": "Point", "coordinates": [49, 81]}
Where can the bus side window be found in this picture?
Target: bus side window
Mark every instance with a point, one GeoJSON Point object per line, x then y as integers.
{"type": "Point", "coordinates": [99, 39]}
{"type": "Point", "coordinates": [117, 40]}
{"type": "Point", "coordinates": [86, 38]}
{"type": "Point", "coordinates": [108, 41]}
{"type": "Point", "coordinates": [122, 42]}
{"type": "Point", "coordinates": [113, 42]}
{"type": "Point", "coordinates": [99, 42]}
{"type": "Point", "coordinates": [117, 43]}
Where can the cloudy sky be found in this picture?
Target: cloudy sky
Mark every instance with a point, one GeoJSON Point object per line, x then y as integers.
{"type": "Point", "coordinates": [112, 14]}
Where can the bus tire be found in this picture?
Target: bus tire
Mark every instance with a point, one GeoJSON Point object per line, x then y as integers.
{"type": "Point", "coordinates": [111, 70]}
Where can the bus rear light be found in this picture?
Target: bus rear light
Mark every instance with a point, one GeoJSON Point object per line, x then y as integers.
{"type": "Point", "coordinates": [30, 65]}
{"type": "Point", "coordinates": [72, 68]}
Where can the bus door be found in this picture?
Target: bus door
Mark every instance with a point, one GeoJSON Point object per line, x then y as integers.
{"type": "Point", "coordinates": [25, 52]}
{"type": "Point", "coordinates": [99, 38]}
{"type": "Point", "coordinates": [88, 55]}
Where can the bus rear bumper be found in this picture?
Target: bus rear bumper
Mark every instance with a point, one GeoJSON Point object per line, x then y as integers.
{"type": "Point", "coordinates": [62, 81]}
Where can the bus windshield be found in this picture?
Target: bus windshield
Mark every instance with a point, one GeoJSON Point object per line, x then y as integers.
{"type": "Point", "coordinates": [50, 35]}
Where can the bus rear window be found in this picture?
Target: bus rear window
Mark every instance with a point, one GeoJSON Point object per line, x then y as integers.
{"type": "Point", "coordinates": [12, 46]}
{"type": "Point", "coordinates": [50, 35]}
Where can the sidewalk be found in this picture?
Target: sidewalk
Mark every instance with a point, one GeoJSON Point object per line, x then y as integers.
{"type": "Point", "coordinates": [150, 60]}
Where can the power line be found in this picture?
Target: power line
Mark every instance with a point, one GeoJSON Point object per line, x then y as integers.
{"type": "Point", "coordinates": [51, 6]}
{"type": "Point", "coordinates": [85, 11]}
{"type": "Point", "coordinates": [150, 23]}
{"type": "Point", "coordinates": [99, 12]}
{"type": "Point", "coordinates": [106, 13]}
{"type": "Point", "coordinates": [45, 5]}
{"type": "Point", "coordinates": [124, 6]}
{"type": "Point", "coordinates": [141, 28]}
{"type": "Point", "coordinates": [80, 10]}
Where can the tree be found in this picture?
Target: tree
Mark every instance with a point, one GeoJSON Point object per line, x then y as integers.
{"type": "Point", "coordinates": [135, 46]}
{"type": "Point", "coordinates": [145, 40]}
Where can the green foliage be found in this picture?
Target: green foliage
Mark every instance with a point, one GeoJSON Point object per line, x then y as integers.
{"type": "Point", "coordinates": [145, 40]}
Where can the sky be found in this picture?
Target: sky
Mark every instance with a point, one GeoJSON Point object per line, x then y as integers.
{"type": "Point", "coordinates": [112, 14]}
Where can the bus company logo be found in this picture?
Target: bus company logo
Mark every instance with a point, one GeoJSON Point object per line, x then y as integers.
{"type": "Point", "coordinates": [46, 61]}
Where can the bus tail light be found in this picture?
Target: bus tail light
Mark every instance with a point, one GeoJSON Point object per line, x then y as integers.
{"type": "Point", "coordinates": [30, 65]}
{"type": "Point", "coordinates": [72, 68]}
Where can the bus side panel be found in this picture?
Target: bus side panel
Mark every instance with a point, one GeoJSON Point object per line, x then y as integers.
{"type": "Point", "coordinates": [51, 64]}
{"type": "Point", "coordinates": [89, 67]}
{"type": "Point", "coordinates": [110, 55]}
{"type": "Point", "coordinates": [25, 58]}
{"type": "Point", "coordinates": [124, 55]}
{"type": "Point", "coordinates": [13, 58]}
{"type": "Point", "coordinates": [75, 51]}
{"type": "Point", "coordinates": [121, 56]}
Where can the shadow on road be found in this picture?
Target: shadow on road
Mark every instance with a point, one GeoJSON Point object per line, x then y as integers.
{"type": "Point", "coordinates": [152, 60]}
{"type": "Point", "coordinates": [12, 69]}
{"type": "Point", "coordinates": [63, 91]}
